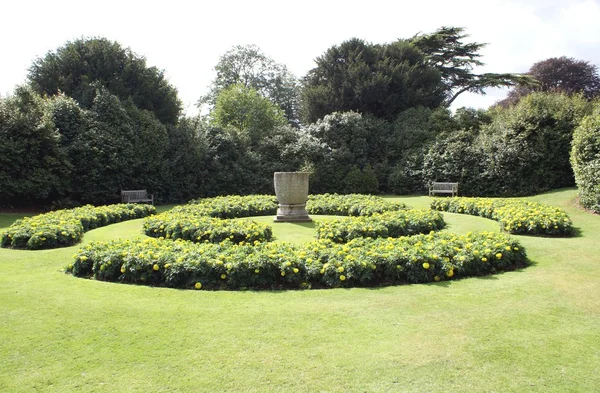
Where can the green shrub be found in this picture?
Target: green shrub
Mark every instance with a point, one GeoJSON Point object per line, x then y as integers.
{"type": "Point", "coordinates": [388, 224]}
{"type": "Point", "coordinates": [319, 264]}
{"type": "Point", "coordinates": [585, 159]}
{"type": "Point", "coordinates": [64, 228]}
{"type": "Point", "coordinates": [517, 216]}
{"type": "Point", "coordinates": [350, 205]}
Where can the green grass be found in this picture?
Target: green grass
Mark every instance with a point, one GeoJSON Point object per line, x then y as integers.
{"type": "Point", "coordinates": [533, 330]}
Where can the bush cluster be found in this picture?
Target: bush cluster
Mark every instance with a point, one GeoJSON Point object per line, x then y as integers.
{"type": "Point", "coordinates": [66, 227]}
{"type": "Point", "coordinates": [232, 206]}
{"type": "Point", "coordinates": [389, 224]}
{"type": "Point", "coordinates": [197, 228]}
{"type": "Point", "coordinates": [517, 216]}
{"type": "Point", "coordinates": [350, 205]}
{"type": "Point", "coordinates": [318, 264]}
{"type": "Point", "coordinates": [585, 158]}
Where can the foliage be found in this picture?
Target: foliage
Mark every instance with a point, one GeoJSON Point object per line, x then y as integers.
{"type": "Point", "coordinates": [585, 158]}
{"type": "Point", "coordinates": [516, 216]}
{"type": "Point", "coordinates": [455, 60]}
{"type": "Point", "coordinates": [246, 112]}
{"type": "Point", "coordinates": [232, 206]}
{"type": "Point", "coordinates": [559, 75]}
{"type": "Point", "coordinates": [320, 264]}
{"type": "Point", "coordinates": [33, 162]}
{"type": "Point", "coordinates": [64, 228]}
{"type": "Point", "coordinates": [524, 150]}
{"type": "Point", "coordinates": [354, 157]}
{"type": "Point", "coordinates": [249, 67]}
{"type": "Point", "coordinates": [78, 68]}
{"type": "Point", "coordinates": [389, 224]}
{"type": "Point", "coordinates": [382, 80]}
{"type": "Point", "coordinates": [350, 205]}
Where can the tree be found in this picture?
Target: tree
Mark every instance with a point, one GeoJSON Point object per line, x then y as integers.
{"type": "Point", "coordinates": [249, 67]}
{"type": "Point", "coordinates": [33, 163]}
{"type": "Point", "coordinates": [562, 75]}
{"type": "Point", "coordinates": [243, 110]}
{"type": "Point", "coordinates": [382, 80]}
{"type": "Point", "coordinates": [445, 51]}
{"type": "Point", "coordinates": [79, 67]}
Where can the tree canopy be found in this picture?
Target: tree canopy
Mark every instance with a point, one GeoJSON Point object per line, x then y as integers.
{"type": "Point", "coordinates": [382, 80]}
{"type": "Point", "coordinates": [78, 68]}
{"type": "Point", "coordinates": [560, 75]}
{"type": "Point", "coordinates": [445, 51]}
{"type": "Point", "coordinates": [249, 67]}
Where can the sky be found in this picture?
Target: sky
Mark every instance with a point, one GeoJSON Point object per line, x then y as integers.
{"type": "Point", "coordinates": [187, 38]}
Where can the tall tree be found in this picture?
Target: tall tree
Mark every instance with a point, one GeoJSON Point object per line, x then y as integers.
{"type": "Point", "coordinates": [445, 51]}
{"type": "Point", "coordinates": [559, 74]}
{"type": "Point", "coordinates": [249, 67]}
{"type": "Point", "coordinates": [79, 67]}
{"type": "Point", "coordinates": [382, 80]}
{"type": "Point", "coordinates": [246, 112]}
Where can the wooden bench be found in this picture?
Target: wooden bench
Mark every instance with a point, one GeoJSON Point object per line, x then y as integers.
{"type": "Point", "coordinates": [132, 196]}
{"type": "Point", "coordinates": [443, 188]}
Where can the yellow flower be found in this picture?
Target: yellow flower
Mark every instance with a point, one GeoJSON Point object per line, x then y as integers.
{"type": "Point", "coordinates": [282, 274]}
{"type": "Point", "coordinates": [155, 267]}
{"type": "Point", "coordinates": [167, 265]}
{"type": "Point", "coordinates": [342, 277]}
{"type": "Point", "coordinates": [437, 278]}
{"type": "Point", "coordinates": [223, 276]}
{"type": "Point", "coordinates": [516, 248]}
{"type": "Point", "coordinates": [499, 255]}
{"type": "Point", "coordinates": [122, 269]}
{"type": "Point", "coordinates": [484, 259]}
{"type": "Point", "coordinates": [83, 258]}
{"type": "Point", "coordinates": [425, 265]}
{"type": "Point", "coordinates": [340, 269]}
{"type": "Point", "coordinates": [256, 271]}
{"type": "Point", "coordinates": [198, 285]}
{"type": "Point", "coordinates": [296, 270]}
{"type": "Point", "coordinates": [450, 273]}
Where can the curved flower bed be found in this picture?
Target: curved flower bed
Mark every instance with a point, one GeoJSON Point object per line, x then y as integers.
{"type": "Point", "coordinates": [517, 216]}
{"type": "Point", "coordinates": [203, 220]}
{"type": "Point", "coordinates": [66, 227]}
{"type": "Point", "coordinates": [389, 224]}
{"type": "Point", "coordinates": [319, 264]}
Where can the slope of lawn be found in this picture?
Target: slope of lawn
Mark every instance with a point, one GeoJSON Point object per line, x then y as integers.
{"type": "Point", "coordinates": [534, 330]}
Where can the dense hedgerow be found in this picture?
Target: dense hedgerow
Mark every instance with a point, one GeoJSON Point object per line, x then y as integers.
{"type": "Point", "coordinates": [585, 159]}
{"type": "Point", "coordinates": [350, 205]}
{"type": "Point", "coordinates": [389, 224]}
{"type": "Point", "coordinates": [318, 264]}
{"type": "Point", "coordinates": [66, 227]}
{"type": "Point", "coordinates": [517, 216]}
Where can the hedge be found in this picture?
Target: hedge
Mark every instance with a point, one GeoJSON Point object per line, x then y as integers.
{"type": "Point", "coordinates": [318, 264]}
{"type": "Point", "coordinates": [64, 228]}
{"type": "Point", "coordinates": [388, 224]}
{"type": "Point", "coordinates": [585, 159]}
{"type": "Point", "coordinates": [516, 216]}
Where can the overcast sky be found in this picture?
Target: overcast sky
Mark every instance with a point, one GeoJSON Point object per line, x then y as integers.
{"type": "Point", "coordinates": [186, 38]}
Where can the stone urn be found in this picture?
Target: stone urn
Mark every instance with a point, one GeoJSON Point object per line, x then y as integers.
{"type": "Point", "coordinates": [291, 189]}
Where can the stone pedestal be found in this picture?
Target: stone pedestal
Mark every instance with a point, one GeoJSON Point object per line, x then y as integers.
{"type": "Point", "coordinates": [291, 189]}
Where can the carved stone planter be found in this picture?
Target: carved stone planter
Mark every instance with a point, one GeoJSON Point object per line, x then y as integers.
{"type": "Point", "coordinates": [291, 189]}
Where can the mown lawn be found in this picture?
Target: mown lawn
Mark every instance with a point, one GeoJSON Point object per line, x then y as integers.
{"type": "Point", "coordinates": [534, 330]}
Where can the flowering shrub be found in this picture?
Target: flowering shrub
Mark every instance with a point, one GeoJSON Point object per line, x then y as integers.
{"type": "Point", "coordinates": [350, 205]}
{"type": "Point", "coordinates": [232, 206]}
{"type": "Point", "coordinates": [318, 264]}
{"type": "Point", "coordinates": [517, 216]}
{"type": "Point", "coordinates": [66, 227]}
{"type": "Point", "coordinates": [196, 228]}
{"type": "Point", "coordinates": [389, 224]}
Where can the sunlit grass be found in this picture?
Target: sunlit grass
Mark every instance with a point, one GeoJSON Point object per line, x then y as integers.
{"type": "Point", "coordinates": [533, 330]}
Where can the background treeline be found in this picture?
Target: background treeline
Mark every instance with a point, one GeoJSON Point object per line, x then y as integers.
{"type": "Point", "coordinates": [369, 118]}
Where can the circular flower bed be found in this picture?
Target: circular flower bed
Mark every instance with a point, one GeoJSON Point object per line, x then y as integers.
{"type": "Point", "coordinates": [367, 250]}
